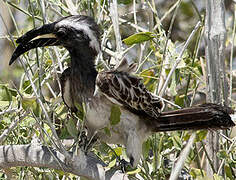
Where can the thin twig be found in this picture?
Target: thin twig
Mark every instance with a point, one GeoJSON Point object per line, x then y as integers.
{"type": "Point", "coordinates": [183, 156]}
{"type": "Point", "coordinates": [42, 131]}
{"type": "Point", "coordinates": [71, 7]}
{"type": "Point", "coordinates": [198, 160]}
{"type": "Point", "coordinates": [196, 9]}
{"type": "Point", "coordinates": [57, 140]}
{"type": "Point", "coordinates": [13, 124]}
{"type": "Point", "coordinates": [22, 10]}
{"type": "Point", "coordinates": [133, 25]}
{"type": "Point", "coordinates": [142, 63]}
{"type": "Point", "coordinates": [223, 161]}
{"type": "Point", "coordinates": [175, 6]}
{"type": "Point", "coordinates": [8, 111]}
{"type": "Point", "coordinates": [13, 18]}
{"type": "Point", "coordinates": [115, 22]}
{"type": "Point", "coordinates": [196, 49]}
{"type": "Point", "coordinates": [178, 60]}
{"type": "Point", "coordinates": [162, 73]}
{"type": "Point", "coordinates": [135, 15]}
{"type": "Point", "coordinates": [208, 157]}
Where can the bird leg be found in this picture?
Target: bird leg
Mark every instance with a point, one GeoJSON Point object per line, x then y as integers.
{"type": "Point", "coordinates": [123, 165]}
{"type": "Point", "coordinates": [83, 140]}
{"type": "Point", "coordinates": [86, 143]}
{"type": "Point", "coordinates": [92, 141]}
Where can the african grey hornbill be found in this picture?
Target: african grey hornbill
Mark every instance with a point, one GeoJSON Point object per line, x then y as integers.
{"type": "Point", "coordinates": [140, 109]}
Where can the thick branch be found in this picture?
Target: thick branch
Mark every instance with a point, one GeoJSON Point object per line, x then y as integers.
{"type": "Point", "coordinates": [215, 35]}
{"type": "Point", "coordinates": [35, 155]}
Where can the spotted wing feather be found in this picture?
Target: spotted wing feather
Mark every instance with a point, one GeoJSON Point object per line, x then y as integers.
{"type": "Point", "coordinates": [128, 90]}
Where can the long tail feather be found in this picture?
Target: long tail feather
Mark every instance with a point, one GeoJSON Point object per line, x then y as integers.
{"type": "Point", "coordinates": [204, 116]}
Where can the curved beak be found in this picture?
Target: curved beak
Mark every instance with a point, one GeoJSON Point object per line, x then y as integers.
{"type": "Point", "coordinates": [38, 37]}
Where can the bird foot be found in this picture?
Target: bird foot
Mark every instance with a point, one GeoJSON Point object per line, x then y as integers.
{"type": "Point", "coordinates": [125, 165]}
{"type": "Point", "coordinates": [86, 144]}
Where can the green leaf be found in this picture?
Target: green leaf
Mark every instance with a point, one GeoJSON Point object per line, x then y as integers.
{"type": "Point", "coordinates": [64, 134]}
{"type": "Point", "coordinates": [48, 62]}
{"type": "Point", "coordinates": [186, 136]}
{"type": "Point", "coordinates": [179, 100]}
{"type": "Point", "coordinates": [104, 148]}
{"type": "Point", "coordinates": [176, 141]}
{"type": "Point", "coordinates": [37, 110]}
{"type": "Point", "coordinates": [5, 94]}
{"type": "Point", "coordinates": [28, 103]}
{"type": "Point", "coordinates": [186, 9]}
{"type": "Point", "coordinates": [4, 104]}
{"type": "Point", "coordinates": [71, 128]}
{"type": "Point", "coordinates": [200, 70]}
{"type": "Point", "coordinates": [31, 103]}
{"type": "Point", "coordinates": [147, 76]}
{"type": "Point", "coordinates": [139, 38]}
{"type": "Point", "coordinates": [217, 177]}
{"type": "Point", "coordinates": [115, 115]}
{"type": "Point", "coordinates": [228, 172]}
{"type": "Point", "coordinates": [222, 154]}
{"type": "Point", "coordinates": [107, 131]}
{"type": "Point", "coordinates": [124, 2]}
{"type": "Point", "coordinates": [201, 135]}
{"type": "Point", "coordinates": [80, 110]}
{"type": "Point", "coordinates": [118, 151]}
{"type": "Point", "coordinates": [60, 172]}
{"type": "Point", "coordinates": [27, 87]}
{"type": "Point", "coordinates": [112, 163]}
{"type": "Point", "coordinates": [146, 148]}
{"type": "Point", "coordinates": [196, 173]}
{"type": "Point", "coordinates": [136, 171]}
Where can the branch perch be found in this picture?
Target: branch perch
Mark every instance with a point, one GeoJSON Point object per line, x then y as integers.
{"type": "Point", "coordinates": [36, 155]}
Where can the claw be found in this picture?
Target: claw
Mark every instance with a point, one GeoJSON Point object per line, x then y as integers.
{"type": "Point", "coordinates": [124, 164]}
{"type": "Point", "coordinates": [86, 144]}
{"type": "Point", "coordinates": [83, 140]}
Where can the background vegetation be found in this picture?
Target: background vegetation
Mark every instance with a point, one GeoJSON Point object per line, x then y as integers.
{"type": "Point", "coordinates": [152, 34]}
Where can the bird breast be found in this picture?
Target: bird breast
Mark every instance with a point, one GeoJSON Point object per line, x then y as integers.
{"type": "Point", "coordinates": [98, 113]}
{"type": "Point", "coordinates": [98, 120]}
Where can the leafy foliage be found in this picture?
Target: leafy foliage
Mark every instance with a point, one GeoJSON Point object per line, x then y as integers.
{"type": "Point", "coordinates": [115, 115]}
{"type": "Point", "coordinates": [155, 50]}
{"type": "Point", "coordinates": [139, 38]}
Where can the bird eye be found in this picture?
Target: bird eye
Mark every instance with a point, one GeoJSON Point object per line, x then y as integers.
{"type": "Point", "coordinates": [61, 32]}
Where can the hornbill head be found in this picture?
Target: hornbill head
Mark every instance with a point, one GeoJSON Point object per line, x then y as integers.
{"type": "Point", "coordinates": [78, 34]}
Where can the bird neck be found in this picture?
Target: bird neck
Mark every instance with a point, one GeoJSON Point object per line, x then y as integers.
{"type": "Point", "coordinates": [83, 75]}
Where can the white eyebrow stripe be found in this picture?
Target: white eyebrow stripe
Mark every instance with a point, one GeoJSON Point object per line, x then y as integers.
{"type": "Point", "coordinates": [94, 43]}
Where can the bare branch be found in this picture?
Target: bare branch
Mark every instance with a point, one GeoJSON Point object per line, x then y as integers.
{"type": "Point", "coordinates": [35, 155]}
{"type": "Point", "coordinates": [183, 156]}
{"type": "Point", "coordinates": [11, 127]}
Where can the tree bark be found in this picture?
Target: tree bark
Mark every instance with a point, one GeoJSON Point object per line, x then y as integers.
{"type": "Point", "coordinates": [36, 155]}
{"type": "Point", "coordinates": [215, 36]}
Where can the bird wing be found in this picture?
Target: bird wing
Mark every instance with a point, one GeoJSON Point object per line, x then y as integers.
{"type": "Point", "coordinates": [127, 90]}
